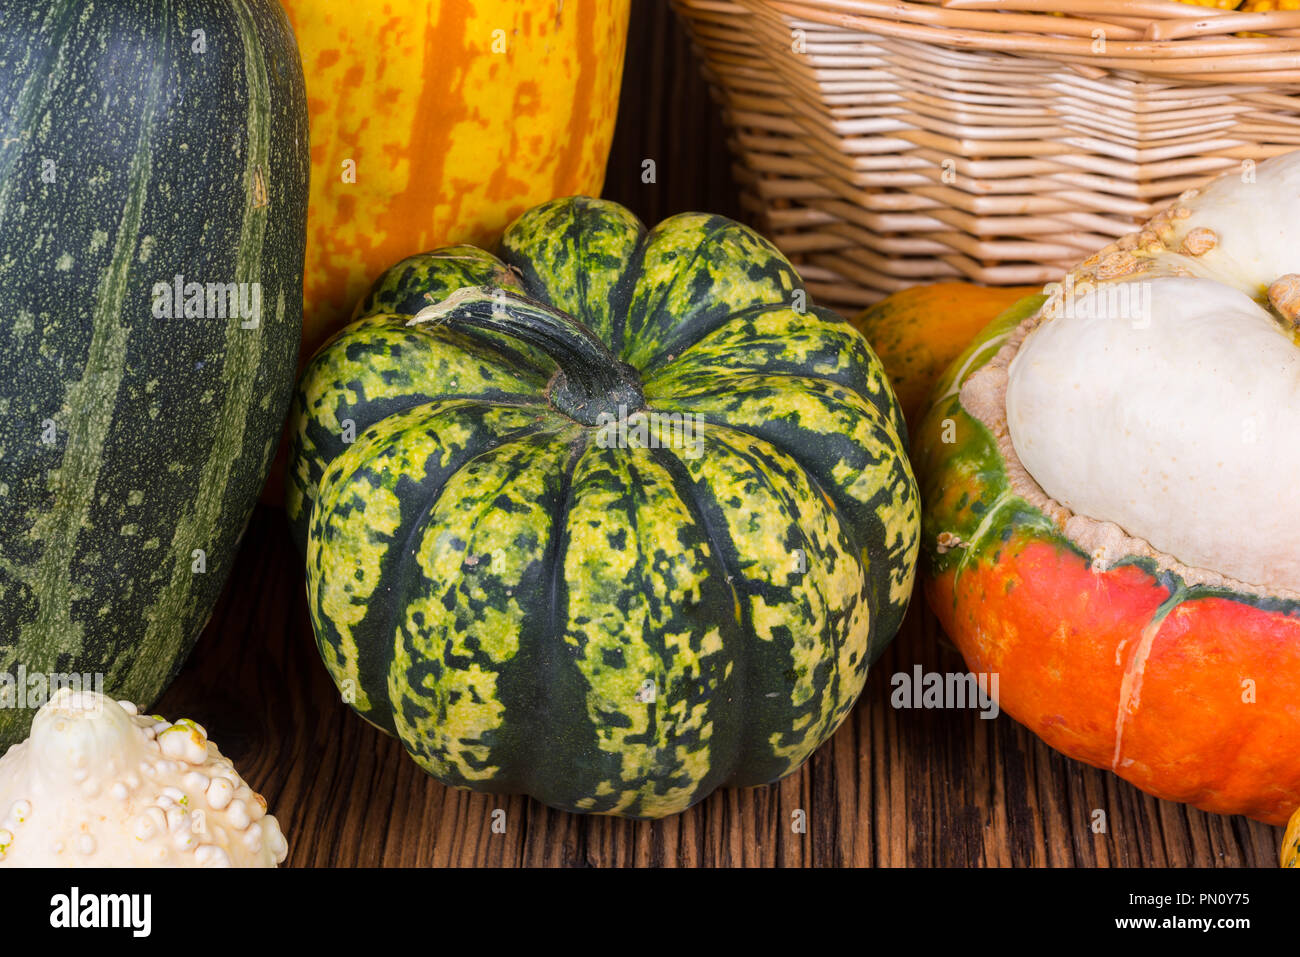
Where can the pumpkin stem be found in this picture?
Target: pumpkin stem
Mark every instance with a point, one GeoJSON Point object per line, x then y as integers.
{"type": "Point", "coordinates": [591, 381]}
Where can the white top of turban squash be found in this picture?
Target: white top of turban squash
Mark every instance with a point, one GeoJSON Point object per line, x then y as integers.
{"type": "Point", "coordinates": [98, 785]}
{"type": "Point", "coordinates": [1160, 389]}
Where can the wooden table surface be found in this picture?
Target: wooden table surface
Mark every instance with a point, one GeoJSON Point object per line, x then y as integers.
{"type": "Point", "coordinates": [891, 788]}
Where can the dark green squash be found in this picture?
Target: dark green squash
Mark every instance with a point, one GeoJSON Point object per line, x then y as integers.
{"type": "Point", "coordinates": [143, 141]}
{"type": "Point", "coordinates": [615, 622]}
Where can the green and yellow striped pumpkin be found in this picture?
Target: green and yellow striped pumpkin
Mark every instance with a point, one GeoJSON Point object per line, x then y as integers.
{"type": "Point", "coordinates": [540, 589]}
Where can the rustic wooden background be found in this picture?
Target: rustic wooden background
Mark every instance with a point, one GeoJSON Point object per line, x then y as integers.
{"type": "Point", "coordinates": [892, 788]}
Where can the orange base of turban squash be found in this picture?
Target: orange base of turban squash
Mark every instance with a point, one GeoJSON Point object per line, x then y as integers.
{"type": "Point", "coordinates": [1191, 694]}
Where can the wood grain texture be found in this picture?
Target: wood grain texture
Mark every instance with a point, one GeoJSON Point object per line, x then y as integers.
{"type": "Point", "coordinates": [891, 788]}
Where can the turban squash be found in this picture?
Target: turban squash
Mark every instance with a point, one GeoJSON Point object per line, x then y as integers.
{"type": "Point", "coordinates": [1111, 512]}
{"type": "Point", "coordinates": [537, 593]}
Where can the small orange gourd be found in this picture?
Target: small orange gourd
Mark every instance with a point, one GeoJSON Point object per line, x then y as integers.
{"type": "Point", "coordinates": [919, 331]}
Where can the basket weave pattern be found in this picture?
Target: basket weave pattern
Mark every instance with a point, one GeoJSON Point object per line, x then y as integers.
{"type": "Point", "coordinates": [885, 143]}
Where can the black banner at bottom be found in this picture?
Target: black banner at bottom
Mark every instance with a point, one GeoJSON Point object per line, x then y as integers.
{"type": "Point", "coordinates": [328, 908]}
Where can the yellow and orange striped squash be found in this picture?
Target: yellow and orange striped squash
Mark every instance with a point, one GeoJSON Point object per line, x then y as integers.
{"type": "Point", "coordinates": [455, 116]}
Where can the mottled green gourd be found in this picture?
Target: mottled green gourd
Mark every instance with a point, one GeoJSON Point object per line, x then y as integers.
{"type": "Point", "coordinates": [536, 602]}
{"type": "Point", "coordinates": [144, 147]}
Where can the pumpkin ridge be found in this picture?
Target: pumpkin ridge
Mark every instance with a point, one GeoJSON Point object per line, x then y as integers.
{"type": "Point", "coordinates": [557, 665]}
{"type": "Point", "coordinates": [653, 639]}
{"type": "Point", "coordinates": [576, 240]}
{"type": "Point", "coordinates": [519, 761]}
{"type": "Point", "coordinates": [444, 680]}
{"type": "Point", "coordinates": [541, 690]}
{"type": "Point", "coordinates": [716, 225]}
{"type": "Point", "coordinates": [755, 372]}
{"type": "Point", "coordinates": [376, 368]}
{"type": "Point", "coordinates": [829, 689]}
{"type": "Point", "coordinates": [363, 460]}
{"type": "Point", "coordinates": [729, 267]}
{"type": "Point", "coordinates": [797, 439]}
{"type": "Point", "coordinates": [763, 757]}
{"type": "Point", "coordinates": [493, 443]}
{"type": "Point", "coordinates": [702, 326]}
{"type": "Point", "coordinates": [622, 292]}
{"type": "Point", "coordinates": [827, 352]}
{"type": "Point", "coordinates": [652, 751]}
{"type": "Point", "coordinates": [724, 550]}
{"type": "Point", "coordinates": [827, 499]}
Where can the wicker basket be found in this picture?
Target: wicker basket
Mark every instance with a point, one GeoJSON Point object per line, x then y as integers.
{"type": "Point", "coordinates": [885, 143]}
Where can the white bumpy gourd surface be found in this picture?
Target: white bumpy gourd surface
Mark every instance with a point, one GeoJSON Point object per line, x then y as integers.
{"type": "Point", "coordinates": [98, 785]}
{"type": "Point", "coordinates": [1161, 391]}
